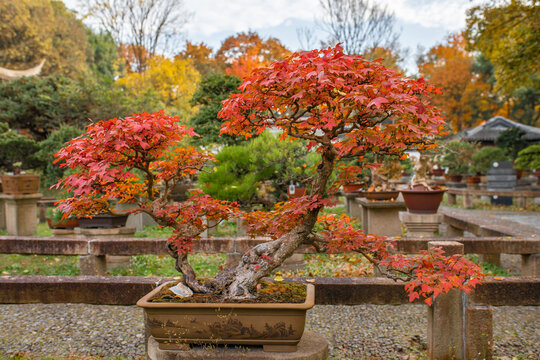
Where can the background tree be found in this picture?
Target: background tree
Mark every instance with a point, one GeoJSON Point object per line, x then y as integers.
{"type": "Point", "coordinates": [507, 33]}
{"type": "Point", "coordinates": [358, 25]}
{"type": "Point", "coordinates": [202, 58]}
{"type": "Point", "coordinates": [103, 56]}
{"type": "Point", "coordinates": [212, 90]}
{"type": "Point", "coordinates": [245, 52]}
{"type": "Point", "coordinates": [512, 141]}
{"type": "Point", "coordinates": [172, 81]}
{"type": "Point", "coordinates": [148, 25]}
{"type": "Point", "coordinates": [32, 30]}
{"type": "Point", "coordinates": [466, 97]}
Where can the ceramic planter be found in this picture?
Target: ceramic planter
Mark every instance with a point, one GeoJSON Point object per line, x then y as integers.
{"type": "Point", "coordinates": [20, 184]}
{"type": "Point", "coordinates": [474, 179]}
{"type": "Point", "coordinates": [454, 178]}
{"type": "Point", "coordinates": [63, 224]}
{"type": "Point", "coordinates": [381, 195]}
{"type": "Point", "coordinates": [437, 172]}
{"type": "Point", "coordinates": [277, 327]}
{"type": "Point", "coordinates": [103, 221]}
{"type": "Point", "coordinates": [422, 201]}
{"type": "Point", "coordinates": [352, 188]}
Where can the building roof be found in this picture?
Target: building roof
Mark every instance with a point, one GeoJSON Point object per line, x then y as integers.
{"type": "Point", "coordinates": [491, 129]}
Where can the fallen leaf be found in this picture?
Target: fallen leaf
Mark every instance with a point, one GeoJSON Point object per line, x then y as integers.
{"type": "Point", "coordinates": [310, 280]}
{"type": "Point", "coordinates": [498, 278]}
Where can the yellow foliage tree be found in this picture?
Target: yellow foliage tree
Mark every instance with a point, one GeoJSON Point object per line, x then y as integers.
{"type": "Point", "coordinates": [173, 81]}
{"type": "Point", "coordinates": [32, 30]}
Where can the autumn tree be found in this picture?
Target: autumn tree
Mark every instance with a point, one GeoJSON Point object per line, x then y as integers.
{"type": "Point", "coordinates": [173, 82]}
{"type": "Point", "coordinates": [202, 58]}
{"type": "Point", "coordinates": [359, 25]}
{"type": "Point", "coordinates": [244, 52]}
{"type": "Point", "coordinates": [32, 30]}
{"type": "Point", "coordinates": [466, 97]}
{"type": "Point", "coordinates": [145, 26]}
{"type": "Point", "coordinates": [507, 33]}
{"type": "Point", "coordinates": [343, 106]}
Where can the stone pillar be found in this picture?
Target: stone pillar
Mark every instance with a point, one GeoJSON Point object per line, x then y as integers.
{"type": "Point", "coordinates": [109, 261]}
{"type": "Point", "coordinates": [420, 225]}
{"type": "Point", "coordinates": [2, 214]}
{"type": "Point", "coordinates": [530, 265]}
{"type": "Point", "coordinates": [93, 264]}
{"type": "Point", "coordinates": [445, 316]}
{"type": "Point", "coordinates": [21, 213]}
{"type": "Point", "coordinates": [137, 221]}
{"type": "Point", "coordinates": [351, 206]}
{"type": "Point", "coordinates": [212, 228]}
{"type": "Point", "coordinates": [241, 229]}
{"type": "Point", "coordinates": [451, 199]}
{"type": "Point", "coordinates": [294, 262]}
{"type": "Point", "coordinates": [494, 259]}
{"type": "Point", "coordinates": [478, 333]}
{"type": "Point", "coordinates": [381, 217]}
{"type": "Point", "coordinates": [521, 201]}
{"type": "Point", "coordinates": [467, 200]}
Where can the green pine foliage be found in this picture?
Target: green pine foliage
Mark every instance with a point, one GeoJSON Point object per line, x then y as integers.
{"type": "Point", "coordinates": [528, 158]}
{"type": "Point", "coordinates": [483, 158]}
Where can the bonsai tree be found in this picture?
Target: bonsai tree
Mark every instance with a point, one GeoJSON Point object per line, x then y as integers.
{"type": "Point", "coordinates": [528, 158]}
{"type": "Point", "coordinates": [336, 102]}
{"type": "Point", "coordinates": [482, 159]}
{"type": "Point", "coordinates": [511, 140]}
{"type": "Point", "coordinates": [17, 152]}
{"type": "Point", "coordinates": [246, 173]}
{"type": "Point", "coordinates": [456, 157]}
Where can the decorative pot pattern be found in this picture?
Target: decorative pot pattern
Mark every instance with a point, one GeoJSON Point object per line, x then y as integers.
{"type": "Point", "coordinates": [270, 325]}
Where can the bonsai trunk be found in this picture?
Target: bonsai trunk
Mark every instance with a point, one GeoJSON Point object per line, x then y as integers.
{"type": "Point", "coordinates": [240, 282]}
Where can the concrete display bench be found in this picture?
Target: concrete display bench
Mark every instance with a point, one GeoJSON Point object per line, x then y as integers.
{"type": "Point", "coordinates": [420, 225]}
{"type": "Point", "coordinates": [98, 264]}
{"type": "Point", "coordinates": [20, 213]}
{"type": "Point", "coordinates": [311, 347]}
{"type": "Point", "coordinates": [381, 217]}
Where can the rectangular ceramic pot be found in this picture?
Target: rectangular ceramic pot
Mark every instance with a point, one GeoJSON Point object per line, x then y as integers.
{"type": "Point", "coordinates": [20, 184]}
{"type": "Point", "coordinates": [277, 327]}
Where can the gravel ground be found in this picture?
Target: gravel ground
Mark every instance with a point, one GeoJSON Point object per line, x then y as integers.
{"type": "Point", "coordinates": [354, 332]}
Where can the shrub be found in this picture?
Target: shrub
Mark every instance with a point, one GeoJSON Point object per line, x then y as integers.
{"type": "Point", "coordinates": [483, 158]}
{"type": "Point", "coordinates": [528, 158]}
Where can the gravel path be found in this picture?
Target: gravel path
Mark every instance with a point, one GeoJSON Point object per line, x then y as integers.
{"type": "Point", "coordinates": [355, 332]}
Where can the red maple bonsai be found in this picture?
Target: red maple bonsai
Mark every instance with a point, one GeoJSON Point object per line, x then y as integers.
{"type": "Point", "coordinates": [345, 106]}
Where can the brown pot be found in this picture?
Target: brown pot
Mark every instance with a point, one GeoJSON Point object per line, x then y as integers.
{"type": "Point", "coordinates": [298, 192]}
{"type": "Point", "coordinates": [275, 326]}
{"type": "Point", "coordinates": [103, 221]}
{"type": "Point", "coordinates": [420, 200]}
{"type": "Point", "coordinates": [63, 224]}
{"type": "Point", "coordinates": [454, 178]}
{"type": "Point", "coordinates": [381, 195]}
{"type": "Point", "coordinates": [20, 184]}
{"type": "Point", "coordinates": [474, 179]}
{"type": "Point", "coordinates": [352, 188]}
{"type": "Point", "coordinates": [437, 172]}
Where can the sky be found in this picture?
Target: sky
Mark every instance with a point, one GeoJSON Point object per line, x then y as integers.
{"type": "Point", "coordinates": [422, 23]}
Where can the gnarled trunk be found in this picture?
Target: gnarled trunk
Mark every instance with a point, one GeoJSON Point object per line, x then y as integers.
{"type": "Point", "coordinates": [240, 282]}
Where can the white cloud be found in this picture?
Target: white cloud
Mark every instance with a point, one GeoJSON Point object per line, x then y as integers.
{"type": "Point", "coordinates": [448, 14]}
{"type": "Point", "coordinates": [214, 16]}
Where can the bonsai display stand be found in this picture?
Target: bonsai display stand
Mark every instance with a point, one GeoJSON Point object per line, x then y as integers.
{"type": "Point", "coordinates": [351, 205]}
{"type": "Point", "coordinates": [98, 264]}
{"type": "Point", "coordinates": [20, 213]}
{"type": "Point", "coordinates": [381, 217]}
{"type": "Point", "coordinates": [63, 233]}
{"type": "Point", "coordinates": [312, 346]}
{"type": "Point", "coordinates": [419, 225]}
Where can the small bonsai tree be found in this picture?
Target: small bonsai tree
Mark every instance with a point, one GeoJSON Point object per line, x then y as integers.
{"type": "Point", "coordinates": [456, 157]}
{"type": "Point", "coordinates": [338, 103]}
{"type": "Point", "coordinates": [17, 152]}
{"type": "Point", "coordinates": [482, 159]}
{"type": "Point", "coordinates": [511, 140]}
{"type": "Point", "coordinates": [528, 158]}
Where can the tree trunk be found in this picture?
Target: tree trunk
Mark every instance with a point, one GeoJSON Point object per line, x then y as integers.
{"type": "Point", "coordinates": [240, 282]}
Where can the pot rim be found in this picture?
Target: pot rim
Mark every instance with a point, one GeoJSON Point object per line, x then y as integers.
{"type": "Point", "coordinates": [411, 191]}
{"type": "Point", "coordinates": [307, 304]}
